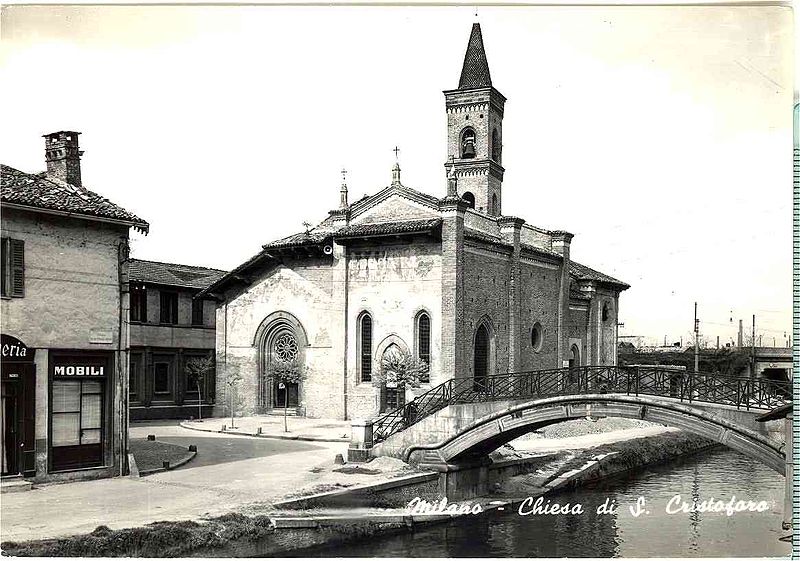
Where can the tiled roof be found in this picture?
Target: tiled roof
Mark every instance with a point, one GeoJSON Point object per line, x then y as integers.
{"type": "Point", "coordinates": [49, 193]}
{"type": "Point", "coordinates": [475, 72]}
{"type": "Point", "coordinates": [406, 226]}
{"type": "Point", "coordinates": [312, 237]}
{"type": "Point", "coordinates": [583, 272]}
{"type": "Point", "coordinates": [173, 274]}
{"type": "Point", "coordinates": [481, 236]}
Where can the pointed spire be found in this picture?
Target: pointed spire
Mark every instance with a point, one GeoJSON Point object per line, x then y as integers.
{"type": "Point", "coordinates": [396, 174]}
{"type": "Point", "coordinates": [343, 191]}
{"type": "Point", "coordinates": [396, 168]}
{"type": "Point", "coordinates": [475, 73]}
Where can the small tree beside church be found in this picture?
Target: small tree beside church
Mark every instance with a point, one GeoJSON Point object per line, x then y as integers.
{"type": "Point", "coordinates": [232, 380]}
{"type": "Point", "coordinates": [401, 370]}
{"type": "Point", "coordinates": [284, 373]}
{"type": "Point", "coordinates": [198, 368]}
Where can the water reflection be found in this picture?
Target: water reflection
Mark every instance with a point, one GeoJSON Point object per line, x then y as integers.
{"type": "Point", "coordinates": [719, 474]}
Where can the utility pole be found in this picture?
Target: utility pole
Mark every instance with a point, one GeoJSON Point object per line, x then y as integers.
{"type": "Point", "coordinates": [717, 342]}
{"type": "Point", "coordinates": [696, 340]}
{"type": "Point", "coordinates": [753, 350]}
{"type": "Point", "coordinates": [740, 341]}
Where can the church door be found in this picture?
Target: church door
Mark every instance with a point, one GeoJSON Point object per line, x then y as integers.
{"type": "Point", "coordinates": [574, 373]}
{"type": "Point", "coordinates": [393, 392]}
{"type": "Point", "coordinates": [283, 350]}
{"type": "Point", "coordinates": [481, 361]}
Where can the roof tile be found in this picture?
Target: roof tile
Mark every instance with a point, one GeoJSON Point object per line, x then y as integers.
{"type": "Point", "coordinates": [173, 274]}
{"type": "Point", "coordinates": [50, 193]}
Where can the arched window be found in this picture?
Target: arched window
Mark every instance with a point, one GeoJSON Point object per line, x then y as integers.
{"type": "Point", "coordinates": [424, 342]}
{"type": "Point", "coordinates": [470, 198]}
{"type": "Point", "coordinates": [365, 347]}
{"type": "Point", "coordinates": [481, 360]}
{"type": "Point", "coordinates": [468, 143]}
{"type": "Point", "coordinates": [495, 146]}
{"type": "Point", "coordinates": [605, 312]}
{"type": "Point", "coordinates": [494, 204]}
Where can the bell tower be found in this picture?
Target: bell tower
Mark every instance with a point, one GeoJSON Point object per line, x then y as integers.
{"type": "Point", "coordinates": [475, 131]}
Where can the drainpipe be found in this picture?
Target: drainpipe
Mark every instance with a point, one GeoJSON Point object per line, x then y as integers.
{"type": "Point", "coordinates": [122, 353]}
{"type": "Point", "coordinates": [346, 328]}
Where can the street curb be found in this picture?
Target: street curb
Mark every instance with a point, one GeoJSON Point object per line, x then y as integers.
{"type": "Point", "coordinates": [184, 424]}
{"type": "Point", "coordinates": [186, 459]}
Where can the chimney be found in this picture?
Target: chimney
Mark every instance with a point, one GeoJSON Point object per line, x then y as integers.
{"type": "Point", "coordinates": [63, 156]}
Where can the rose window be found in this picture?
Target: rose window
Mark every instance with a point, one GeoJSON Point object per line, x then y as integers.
{"type": "Point", "coordinates": [285, 348]}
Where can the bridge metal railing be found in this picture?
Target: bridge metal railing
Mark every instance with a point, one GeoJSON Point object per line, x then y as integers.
{"type": "Point", "coordinates": [743, 393]}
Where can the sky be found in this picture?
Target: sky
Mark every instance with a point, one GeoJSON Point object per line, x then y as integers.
{"type": "Point", "coordinates": [660, 136]}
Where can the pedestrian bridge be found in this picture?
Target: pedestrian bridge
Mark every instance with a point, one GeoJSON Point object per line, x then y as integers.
{"type": "Point", "coordinates": [460, 421]}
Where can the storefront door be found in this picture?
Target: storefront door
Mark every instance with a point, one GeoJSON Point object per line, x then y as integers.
{"type": "Point", "coordinates": [18, 407]}
{"type": "Point", "coordinates": [9, 410]}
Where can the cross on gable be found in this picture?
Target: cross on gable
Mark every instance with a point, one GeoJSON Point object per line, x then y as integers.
{"type": "Point", "coordinates": [307, 226]}
{"type": "Point", "coordinates": [396, 153]}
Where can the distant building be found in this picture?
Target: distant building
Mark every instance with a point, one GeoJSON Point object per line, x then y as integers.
{"type": "Point", "coordinates": [65, 336]}
{"type": "Point", "coordinates": [169, 327]}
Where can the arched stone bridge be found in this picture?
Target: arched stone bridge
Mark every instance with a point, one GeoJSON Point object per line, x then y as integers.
{"type": "Point", "coordinates": [460, 421]}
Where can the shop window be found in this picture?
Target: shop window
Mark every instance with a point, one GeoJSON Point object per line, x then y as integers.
{"type": "Point", "coordinates": [77, 412]}
{"type": "Point", "coordinates": [161, 378]}
{"type": "Point", "coordinates": [139, 303]}
{"type": "Point", "coordinates": [365, 347]}
{"type": "Point", "coordinates": [169, 307]}
{"type": "Point", "coordinates": [197, 312]}
{"type": "Point", "coordinates": [12, 265]}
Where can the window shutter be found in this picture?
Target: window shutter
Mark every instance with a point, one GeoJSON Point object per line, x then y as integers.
{"type": "Point", "coordinates": [17, 268]}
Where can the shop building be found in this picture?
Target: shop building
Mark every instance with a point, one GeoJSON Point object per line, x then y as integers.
{"type": "Point", "coordinates": [65, 336]}
{"type": "Point", "coordinates": [171, 331]}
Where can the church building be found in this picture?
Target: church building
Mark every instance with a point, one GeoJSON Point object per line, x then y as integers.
{"type": "Point", "coordinates": [446, 278]}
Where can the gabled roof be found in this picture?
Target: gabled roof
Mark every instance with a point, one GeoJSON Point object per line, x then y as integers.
{"type": "Point", "coordinates": [582, 272]}
{"type": "Point", "coordinates": [173, 274]}
{"type": "Point", "coordinates": [475, 72]}
{"type": "Point", "coordinates": [364, 204]}
{"type": "Point", "coordinates": [47, 193]}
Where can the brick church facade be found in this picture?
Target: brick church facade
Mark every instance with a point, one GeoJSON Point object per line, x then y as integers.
{"type": "Point", "coordinates": [449, 280]}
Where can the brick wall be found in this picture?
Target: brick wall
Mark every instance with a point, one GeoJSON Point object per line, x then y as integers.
{"type": "Point", "coordinates": [393, 283]}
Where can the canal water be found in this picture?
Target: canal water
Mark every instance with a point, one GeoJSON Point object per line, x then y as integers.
{"type": "Point", "coordinates": [718, 474]}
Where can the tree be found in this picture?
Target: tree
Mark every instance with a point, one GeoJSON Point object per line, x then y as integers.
{"type": "Point", "coordinates": [232, 381]}
{"type": "Point", "coordinates": [198, 368]}
{"type": "Point", "coordinates": [400, 369]}
{"type": "Point", "coordinates": [290, 372]}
